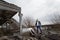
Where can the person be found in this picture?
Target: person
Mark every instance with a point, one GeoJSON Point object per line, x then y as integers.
{"type": "Point", "coordinates": [38, 25]}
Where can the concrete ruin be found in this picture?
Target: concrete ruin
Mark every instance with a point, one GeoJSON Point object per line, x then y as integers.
{"type": "Point", "coordinates": [7, 11]}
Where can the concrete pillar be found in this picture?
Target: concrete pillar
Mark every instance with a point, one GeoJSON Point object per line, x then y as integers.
{"type": "Point", "coordinates": [20, 22]}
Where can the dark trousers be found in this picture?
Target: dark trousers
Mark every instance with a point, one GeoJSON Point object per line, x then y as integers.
{"type": "Point", "coordinates": [38, 28]}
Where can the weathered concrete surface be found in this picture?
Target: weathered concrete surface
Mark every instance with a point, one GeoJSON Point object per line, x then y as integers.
{"type": "Point", "coordinates": [8, 6]}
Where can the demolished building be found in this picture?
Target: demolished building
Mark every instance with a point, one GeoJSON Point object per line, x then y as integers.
{"type": "Point", "coordinates": [7, 11]}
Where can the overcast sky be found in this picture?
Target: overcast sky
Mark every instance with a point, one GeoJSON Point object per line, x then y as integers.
{"type": "Point", "coordinates": [38, 8]}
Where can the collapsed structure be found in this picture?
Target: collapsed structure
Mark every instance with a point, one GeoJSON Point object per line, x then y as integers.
{"type": "Point", "coordinates": [7, 11]}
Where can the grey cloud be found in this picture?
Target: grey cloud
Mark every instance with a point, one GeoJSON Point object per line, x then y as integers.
{"type": "Point", "coordinates": [38, 8]}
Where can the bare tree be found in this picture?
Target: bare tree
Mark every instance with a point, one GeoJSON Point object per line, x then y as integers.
{"type": "Point", "coordinates": [28, 21]}
{"type": "Point", "coordinates": [55, 18]}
